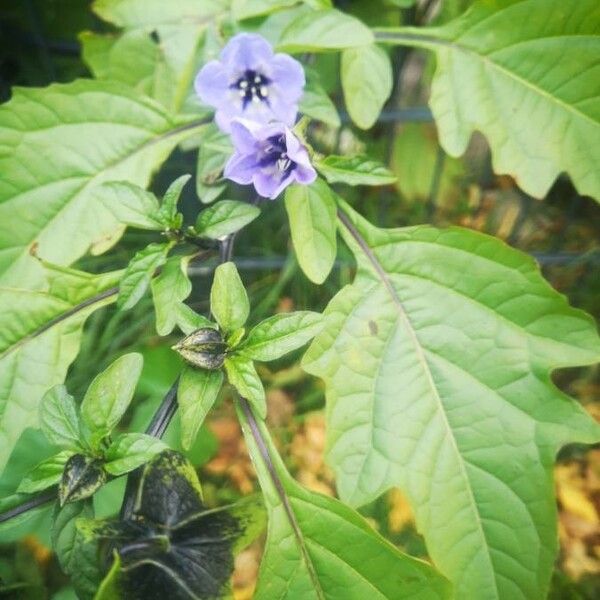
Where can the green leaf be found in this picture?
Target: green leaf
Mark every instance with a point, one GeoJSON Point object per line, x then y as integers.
{"type": "Point", "coordinates": [139, 272]}
{"type": "Point", "coordinates": [188, 320]}
{"type": "Point", "coordinates": [415, 160]}
{"type": "Point", "coordinates": [512, 87]}
{"type": "Point", "coordinates": [214, 151]}
{"type": "Point", "coordinates": [109, 395]}
{"type": "Point", "coordinates": [65, 536]}
{"type": "Point", "coordinates": [45, 474]}
{"type": "Point", "coordinates": [319, 548]}
{"type": "Point", "coordinates": [40, 332]}
{"type": "Point", "coordinates": [168, 209]}
{"type": "Point", "coordinates": [178, 28]}
{"type": "Point", "coordinates": [169, 290]}
{"type": "Point", "coordinates": [133, 59]}
{"type": "Point", "coordinates": [311, 211]}
{"type": "Point", "coordinates": [281, 334]}
{"type": "Point", "coordinates": [130, 204]}
{"type": "Point", "coordinates": [129, 451]}
{"type": "Point", "coordinates": [354, 170]}
{"type": "Point", "coordinates": [316, 103]}
{"type": "Point", "coordinates": [72, 137]}
{"type": "Point", "coordinates": [437, 364]}
{"type": "Point", "coordinates": [82, 476]}
{"type": "Point", "coordinates": [367, 83]}
{"type": "Point", "coordinates": [242, 375]}
{"type": "Point", "coordinates": [109, 588]}
{"type": "Point", "coordinates": [224, 218]}
{"type": "Point", "coordinates": [244, 9]}
{"type": "Point", "coordinates": [58, 418]}
{"type": "Point", "coordinates": [321, 30]}
{"type": "Point", "coordinates": [198, 389]}
{"type": "Point", "coordinates": [173, 543]}
{"type": "Point", "coordinates": [228, 299]}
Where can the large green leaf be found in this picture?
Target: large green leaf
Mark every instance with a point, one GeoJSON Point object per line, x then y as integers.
{"type": "Point", "coordinates": [57, 144]}
{"type": "Point", "coordinates": [437, 362]}
{"type": "Point", "coordinates": [319, 548]}
{"type": "Point", "coordinates": [40, 333]}
{"type": "Point", "coordinates": [228, 298]}
{"type": "Point", "coordinates": [177, 29]}
{"type": "Point", "coordinates": [525, 73]}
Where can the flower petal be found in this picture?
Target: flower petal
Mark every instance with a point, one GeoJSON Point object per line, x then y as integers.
{"type": "Point", "coordinates": [212, 83]}
{"type": "Point", "coordinates": [304, 175]}
{"type": "Point", "coordinates": [288, 75]}
{"type": "Point", "coordinates": [246, 51]}
{"type": "Point", "coordinates": [241, 168]}
{"type": "Point", "coordinates": [270, 186]}
{"type": "Point", "coordinates": [295, 150]}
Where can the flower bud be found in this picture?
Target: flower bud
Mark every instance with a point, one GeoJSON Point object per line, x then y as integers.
{"type": "Point", "coordinates": [203, 348]}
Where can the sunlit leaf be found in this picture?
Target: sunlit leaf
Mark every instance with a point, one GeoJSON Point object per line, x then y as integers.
{"type": "Point", "coordinates": [58, 418]}
{"type": "Point", "coordinates": [228, 299]}
{"type": "Point", "coordinates": [437, 362]}
{"type": "Point", "coordinates": [224, 218]}
{"type": "Point", "coordinates": [242, 375]}
{"type": "Point", "coordinates": [354, 170]}
{"type": "Point", "coordinates": [45, 474]}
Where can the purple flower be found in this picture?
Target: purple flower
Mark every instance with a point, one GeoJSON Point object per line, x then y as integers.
{"type": "Point", "coordinates": [269, 156]}
{"type": "Point", "coordinates": [251, 82]}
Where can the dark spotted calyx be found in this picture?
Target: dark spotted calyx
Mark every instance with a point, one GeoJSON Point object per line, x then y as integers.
{"type": "Point", "coordinates": [81, 477]}
{"type": "Point", "coordinates": [172, 547]}
{"type": "Point", "coordinates": [203, 348]}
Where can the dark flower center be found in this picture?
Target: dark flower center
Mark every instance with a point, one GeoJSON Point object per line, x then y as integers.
{"type": "Point", "coordinates": [274, 154]}
{"type": "Point", "coordinates": [252, 86]}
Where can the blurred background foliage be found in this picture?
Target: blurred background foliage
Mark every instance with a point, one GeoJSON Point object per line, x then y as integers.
{"type": "Point", "coordinates": [39, 45]}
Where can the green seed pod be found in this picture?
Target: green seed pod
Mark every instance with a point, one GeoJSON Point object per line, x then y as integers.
{"type": "Point", "coordinates": [203, 348]}
{"type": "Point", "coordinates": [82, 476]}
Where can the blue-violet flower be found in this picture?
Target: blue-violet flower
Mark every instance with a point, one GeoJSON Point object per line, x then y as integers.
{"type": "Point", "coordinates": [251, 82]}
{"type": "Point", "coordinates": [269, 156]}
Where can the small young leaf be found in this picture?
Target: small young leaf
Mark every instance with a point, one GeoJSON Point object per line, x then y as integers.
{"type": "Point", "coordinates": [224, 218]}
{"type": "Point", "coordinates": [168, 209]}
{"type": "Point", "coordinates": [197, 392]}
{"type": "Point", "coordinates": [169, 290]}
{"type": "Point", "coordinates": [109, 395]}
{"type": "Point", "coordinates": [139, 272]}
{"type": "Point", "coordinates": [188, 320]}
{"type": "Point", "coordinates": [367, 83]}
{"type": "Point", "coordinates": [81, 477]}
{"type": "Point", "coordinates": [228, 299]}
{"type": "Point", "coordinates": [321, 30]}
{"type": "Point", "coordinates": [242, 375]}
{"type": "Point", "coordinates": [281, 334]}
{"type": "Point", "coordinates": [311, 211]}
{"type": "Point", "coordinates": [58, 418]}
{"type": "Point", "coordinates": [130, 204]}
{"type": "Point", "coordinates": [45, 474]}
{"type": "Point", "coordinates": [65, 534]}
{"type": "Point", "coordinates": [131, 450]}
{"type": "Point", "coordinates": [316, 104]}
{"type": "Point", "coordinates": [354, 170]}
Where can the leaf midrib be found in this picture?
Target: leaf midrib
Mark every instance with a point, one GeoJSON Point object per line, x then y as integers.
{"type": "Point", "coordinates": [382, 275]}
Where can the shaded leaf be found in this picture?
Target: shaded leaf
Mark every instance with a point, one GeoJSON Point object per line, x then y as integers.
{"type": "Point", "coordinates": [198, 389]}
{"type": "Point", "coordinates": [437, 361]}
{"type": "Point", "coordinates": [242, 375]}
{"type": "Point", "coordinates": [311, 211]}
{"type": "Point", "coordinates": [109, 395]}
{"type": "Point", "coordinates": [139, 272]}
{"type": "Point", "coordinates": [316, 103]}
{"type": "Point", "coordinates": [131, 450]}
{"type": "Point", "coordinates": [280, 334]}
{"type": "Point", "coordinates": [58, 418]}
{"type": "Point", "coordinates": [130, 204]}
{"type": "Point", "coordinates": [214, 151]}
{"type": "Point", "coordinates": [45, 474]}
{"type": "Point", "coordinates": [168, 209]}
{"type": "Point", "coordinates": [224, 218]}
{"type": "Point", "coordinates": [65, 533]}
{"type": "Point", "coordinates": [367, 83]}
{"type": "Point", "coordinates": [228, 299]}
{"type": "Point", "coordinates": [354, 170]}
